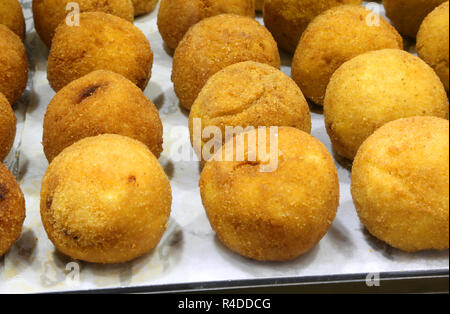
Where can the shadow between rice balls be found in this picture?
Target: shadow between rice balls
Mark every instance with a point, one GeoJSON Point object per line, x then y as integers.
{"type": "Point", "coordinates": [175, 17]}
{"type": "Point", "coordinates": [13, 65]}
{"type": "Point", "coordinates": [48, 14]}
{"type": "Point", "coordinates": [11, 15]}
{"type": "Point", "coordinates": [407, 15]}
{"type": "Point", "coordinates": [333, 38]}
{"type": "Point", "coordinates": [249, 94]}
{"type": "Point", "coordinates": [98, 103]}
{"type": "Point", "coordinates": [7, 127]}
{"type": "Point", "coordinates": [142, 7]}
{"type": "Point", "coordinates": [101, 42]}
{"type": "Point", "coordinates": [433, 42]}
{"type": "Point", "coordinates": [105, 199]}
{"type": "Point", "coordinates": [215, 43]}
{"type": "Point", "coordinates": [375, 88]}
{"type": "Point", "coordinates": [400, 184]}
{"type": "Point", "coordinates": [12, 210]}
{"type": "Point", "coordinates": [288, 19]}
{"type": "Point", "coordinates": [272, 216]}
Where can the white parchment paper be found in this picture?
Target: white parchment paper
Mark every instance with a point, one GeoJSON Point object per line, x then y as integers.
{"type": "Point", "coordinates": [189, 251]}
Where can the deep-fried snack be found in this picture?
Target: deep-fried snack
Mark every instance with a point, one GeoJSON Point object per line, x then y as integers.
{"type": "Point", "coordinates": [333, 38]}
{"type": "Point", "coordinates": [101, 42]}
{"type": "Point", "coordinates": [288, 19]}
{"type": "Point", "coordinates": [277, 215]}
{"type": "Point", "coordinates": [7, 127]}
{"type": "Point", "coordinates": [105, 199]}
{"type": "Point", "coordinates": [11, 15]}
{"type": "Point", "coordinates": [142, 7]}
{"type": "Point", "coordinates": [175, 17]}
{"type": "Point", "coordinates": [433, 42]}
{"type": "Point", "coordinates": [48, 14]}
{"type": "Point", "coordinates": [248, 94]}
{"type": "Point", "coordinates": [400, 184]}
{"type": "Point", "coordinates": [215, 43]}
{"type": "Point", "coordinates": [98, 103]}
{"type": "Point", "coordinates": [375, 88]}
{"type": "Point", "coordinates": [12, 210]}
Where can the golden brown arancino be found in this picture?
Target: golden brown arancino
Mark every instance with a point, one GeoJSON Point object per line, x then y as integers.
{"type": "Point", "coordinates": [375, 88]}
{"type": "Point", "coordinates": [400, 184]}
{"type": "Point", "coordinates": [273, 216]}
{"type": "Point", "coordinates": [105, 199]}
{"type": "Point", "coordinates": [407, 15]}
{"type": "Point", "coordinates": [48, 14]}
{"type": "Point", "coordinates": [11, 15]}
{"type": "Point", "coordinates": [249, 94]}
{"type": "Point", "coordinates": [7, 127]}
{"type": "Point", "coordinates": [13, 65]}
{"type": "Point", "coordinates": [12, 210]}
{"type": "Point", "coordinates": [215, 43]}
{"type": "Point", "coordinates": [98, 103]}
{"type": "Point", "coordinates": [333, 38]}
{"type": "Point", "coordinates": [101, 42]}
{"type": "Point", "coordinates": [288, 19]}
{"type": "Point", "coordinates": [433, 42]}
{"type": "Point", "coordinates": [175, 17]}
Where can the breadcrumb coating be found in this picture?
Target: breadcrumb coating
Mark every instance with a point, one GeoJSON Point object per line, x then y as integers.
{"type": "Point", "coordinates": [7, 127]}
{"type": "Point", "coordinates": [11, 15]}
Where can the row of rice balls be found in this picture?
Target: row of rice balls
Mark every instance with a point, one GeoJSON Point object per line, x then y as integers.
{"type": "Point", "coordinates": [296, 214]}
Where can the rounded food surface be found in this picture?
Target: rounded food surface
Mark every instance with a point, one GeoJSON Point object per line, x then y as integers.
{"type": "Point", "coordinates": [11, 15]}
{"type": "Point", "coordinates": [7, 127]}
{"type": "Point", "coordinates": [277, 215]}
{"type": "Point", "coordinates": [400, 184]}
{"type": "Point", "coordinates": [98, 103]}
{"type": "Point", "coordinates": [101, 42]}
{"type": "Point", "coordinates": [105, 199]}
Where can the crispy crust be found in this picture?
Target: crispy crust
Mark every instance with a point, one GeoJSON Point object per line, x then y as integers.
{"type": "Point", "coordinates": [333, 38]}
{"type": "Point", "coordinates": [105, 199]}
{"type": "Point", "coordinates": [98, 103]}
{"type": "Point", "coordinates": [142, 7]}
{"type": "Point", "coordinates": [101, 42]}
{"type": "Point", "coordinates": [407, 15]}
{"type": "Point", "coordinates": [13, 65]}
{"type": "Point", "coordinates": [215, 43]}
{"type": "Point", "coordinates": [175, 17]}
{"type": "Point", "coordinates": [375, 88]}
{"type": "Point", "coordinates": [48, 14]}
{"type": "Point", "coordinates": [250, 94]}
{"type": "Point", "coordinates": [11, 15]}
{"type": "Point", "coordinates": [288, 19]}
{"type": "Point", "coordinates": [7, 127]}
{"type": "Point", "coordinates": [433, 42]}
{"type": "Point", "coordinates": [12, 210]}
{"type": "Point", "coordinates": [273, 216]}
{"type": "Point", "coordinates": [400, 184]}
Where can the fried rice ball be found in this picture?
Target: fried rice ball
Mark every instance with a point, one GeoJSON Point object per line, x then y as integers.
{"type": "Point", "coordinates": [288, 19]}
{"type": "Point", "coordinates": [433, 42]}
{"type": "Point", "coordinates": [7, 127]}
{"type": "Point", "coordinates": [175, 17]}
{"type": "Point", "coordinates": [407, 15]}
{"type": "Point", "coordinates": [277, 215]}
{"type": "Point", "coordinates": [333, 38]}
{"type": "Point", "coordinates": [400, 184]}
{"type": "Point", "coordinates": [142, 7]}
{"type": "Point", "coordinates": [12, 210]}
{"type": "Point", "coordinates": [98, 103]}
{"type": "Point", "coordinates": [11, 15]}
{"type": "Point", "coordinates": [105, 199]}
{"type": "Point", "coordinates": [259, 5]}
{"type": "Point", "coordinates": [375, 88]}
{"type": "Point", "coordinates": [248, 94]}
{"type": "Point", "coordinates": [13, 65]}
{"type": "Point", "coordinates": [48, 14]}
{"type": "Point", "coordinates": [215, 43]}
{"type": "Point", "coordinates": [101, 42]}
